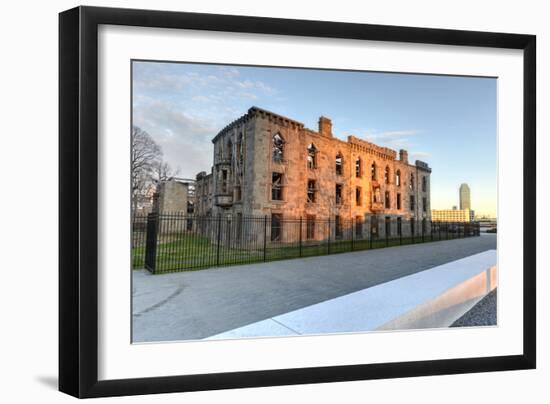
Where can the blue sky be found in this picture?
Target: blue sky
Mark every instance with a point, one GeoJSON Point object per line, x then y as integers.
{"type": "Point", "coordinates": [449, 122]}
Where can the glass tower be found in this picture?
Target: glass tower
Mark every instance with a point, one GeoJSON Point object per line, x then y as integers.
{"type": "Point", "coordinates": [465, 197]}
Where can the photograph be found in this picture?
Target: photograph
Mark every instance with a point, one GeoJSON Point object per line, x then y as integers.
{"type": "Point", "coordinates": [273, 201]}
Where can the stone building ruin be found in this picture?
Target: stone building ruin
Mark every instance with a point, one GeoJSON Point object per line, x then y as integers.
{"type": "Point", "coordinates": [267, 165]}
{"type": "Point", "coordinates": [175, 196]}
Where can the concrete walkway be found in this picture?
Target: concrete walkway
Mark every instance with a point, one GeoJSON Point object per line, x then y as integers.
{"type": "Point", "coordinates": [431, 301]}
{"type": "Point", "coordinates": [200, 304]}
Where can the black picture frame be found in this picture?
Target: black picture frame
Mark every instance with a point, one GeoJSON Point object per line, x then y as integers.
{"type": "Point", "coordinates": [78, 195]}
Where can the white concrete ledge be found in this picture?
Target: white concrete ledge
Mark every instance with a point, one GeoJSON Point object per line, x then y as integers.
{"type": "Point", "coordinates": [429, 299]}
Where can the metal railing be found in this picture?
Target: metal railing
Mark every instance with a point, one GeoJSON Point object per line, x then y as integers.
{"type": "Point", "coordinates": [176, 242]}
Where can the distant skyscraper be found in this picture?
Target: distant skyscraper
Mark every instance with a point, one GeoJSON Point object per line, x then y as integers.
{"type": "Point", "coordinates": [465, 197]}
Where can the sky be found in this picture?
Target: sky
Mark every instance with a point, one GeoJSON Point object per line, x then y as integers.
{"type": "Point", "coordinates": [447, 121]}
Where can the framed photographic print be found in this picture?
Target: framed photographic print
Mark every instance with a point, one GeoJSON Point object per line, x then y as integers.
{"type": "Point", "coordinates": [250, 201]}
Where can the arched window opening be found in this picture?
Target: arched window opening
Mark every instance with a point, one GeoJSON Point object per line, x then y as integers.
{"type": "Point", "coordinates": [311, 191]}
{"type": "Point", "coordinates": [277, 147]}
{"type": "Point", "coordinates": [276, 186]}
{"type": "Point", "coordinates": [373, 171]}
{"type": "Point", "coordinates": [339, 194]}
{"type": "Point", "coordinates": [398, 178]}
{"type": "Point", "coordinates": [411, 183]}
{"type": "Point", "coordinates": [229, 151]}
{"type": "Point", "coordinates": [387, 175]}
{"type": "Point", "coordinates": [358, 167]}
{"type": "Point", "coordinates": [240, 154]}
{"type": "Point", "coordinates": [339, 164]}
{"type": "Point", "coordinates": [311, 156]}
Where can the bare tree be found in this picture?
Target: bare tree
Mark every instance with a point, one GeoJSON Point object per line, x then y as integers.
{"type": "Point", "coordinates": [162, 171]}
{"type": "Point", "coordinates": [146, 155]}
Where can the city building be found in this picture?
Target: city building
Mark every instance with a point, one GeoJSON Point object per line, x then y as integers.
{"type": "Point", "coordinates": [267, 165]}
{"type": "Point", "coordinates": [464, 214]}
{"type": "Point", "coordinates": [453, 215]}
{"type": "Point", "coordinates": [464, 197]}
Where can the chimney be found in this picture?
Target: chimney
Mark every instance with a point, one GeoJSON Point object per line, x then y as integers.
{"type": "Point", "coordinates": [325, 126]}
{"type": "Point", "coordinates": [404, 156]}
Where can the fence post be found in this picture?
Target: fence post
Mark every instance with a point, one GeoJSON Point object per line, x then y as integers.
{"type": "Point", "coordinates": [219, 239]}
{"type": "Point", "coordinates": [229, 235]}
{"type": "Point", "coordinates": [370, 233]}
{"type": "Point", "coordinates": [329, 231]}
{"type": "Point", "coordinates": [265, 236]}
{"type": "Point", "coordinates": [300, 230]}
{"type": "Point", "coordinates": [353, 224]}
{"type": "Point", "coordinates": [423, 229]}
{"type": "Point", "coordinates": [151, 242]}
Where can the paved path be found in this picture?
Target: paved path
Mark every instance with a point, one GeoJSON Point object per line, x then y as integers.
{"type": "Point", "coordinates": [381, 307]}
{"type": "Point", "coordinates": [199, 304]}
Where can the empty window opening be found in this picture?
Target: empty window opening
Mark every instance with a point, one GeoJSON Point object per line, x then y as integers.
{"type": "Point", "coordinates": [311, 156]}
{"type": "Point", "coordinates": [278, 144]}
{"type": "Point", "coordinates": [339, 193]}
{"type": "Point", "coordinates": [311, 191]}
{"type": "Point", "coordinates": [277, 186]}
{"type": "Point", "coordinates": [339, 164]}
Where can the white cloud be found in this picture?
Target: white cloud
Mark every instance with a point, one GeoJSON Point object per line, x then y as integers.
{"type": "Point", "coordinates": [392, 135]}
{"type": "Point", "coordinates": [185, 139]}
{"type": "Point", "coordinates": [394, 139]}
{"type": "Point", "coordinates": [419, 155]}
{"type": "Point", "coordinates": [157, 78]}
{"type": "Point", "coordinates": [229, 72]}
{"type": "Point", "coordinates": [183, 110]}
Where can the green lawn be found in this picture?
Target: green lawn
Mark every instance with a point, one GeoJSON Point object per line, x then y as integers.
{"type": "Point", "coordinates": [192, 251]}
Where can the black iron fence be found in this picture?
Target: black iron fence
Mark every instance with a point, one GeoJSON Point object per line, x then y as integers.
{"type": "Point", "coordinates": [175, 242]}
{"type": "Point", "coordinates": [139, 234]}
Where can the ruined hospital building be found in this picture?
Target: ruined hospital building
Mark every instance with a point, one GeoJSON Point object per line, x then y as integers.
{"type": "Point", "coordinates": [271, 166]}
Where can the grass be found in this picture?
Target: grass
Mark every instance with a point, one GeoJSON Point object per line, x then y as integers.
{"type": "Point", "coordinates": [192, 252]}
